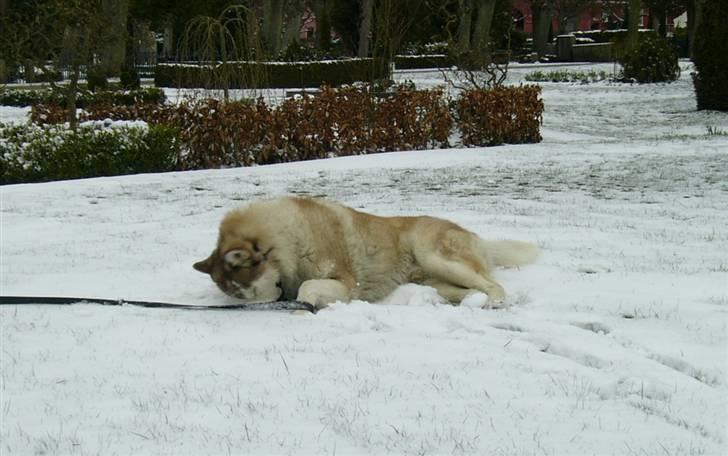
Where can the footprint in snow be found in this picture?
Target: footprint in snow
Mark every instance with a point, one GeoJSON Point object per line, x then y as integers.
{"type": "Point", "coordinates": [593, 326]}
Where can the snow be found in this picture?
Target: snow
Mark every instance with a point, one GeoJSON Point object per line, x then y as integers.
{"type": "Point", "coordinates": [613, 343]}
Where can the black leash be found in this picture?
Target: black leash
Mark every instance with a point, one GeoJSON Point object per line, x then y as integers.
{"type": "Point", "coordinates": [66, 301]}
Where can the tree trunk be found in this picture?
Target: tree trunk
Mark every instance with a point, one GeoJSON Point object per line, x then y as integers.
{"type": "Point", "coordinates": [365, 27]}
{"type": "Point", "coordinates": [323, 24]}
{"type": "Point", "coordinates": [72, 94]}
{"type": "Point", "coordinates": [542, 14]}
{"type": "Point", "coordinates": [273, 26]}
{"type": "Point", "coordinates": [633, 24]}
{"type": "Point", "coordinates": [168, 49]}
{"type": "Point", "coordinates": [695, 8]}
{"type": "Point", "coordinates": [113, 49]}
{"type": "Point", "coordinates": [294, 16]}
{"type": "Point", "coordinates": [481, 32]}
{"type": "Point", "coordinates": [659, 20]}
{"type": "Point", "coordinates": [465, 25]}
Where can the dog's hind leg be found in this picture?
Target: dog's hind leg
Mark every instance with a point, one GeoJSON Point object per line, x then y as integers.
{"type": "Point", "coordinates": [452, 293]}
{"type": "Point", "coordinates": [458, 273]}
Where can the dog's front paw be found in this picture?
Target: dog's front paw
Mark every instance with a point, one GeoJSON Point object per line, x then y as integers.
{"type": "Point", "coordinates": [321, 293]}
{"type": "Point", "coordinates": [483, 301]}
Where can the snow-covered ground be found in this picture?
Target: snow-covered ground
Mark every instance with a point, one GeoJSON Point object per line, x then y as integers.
{"type": "Point", "coordinates": [614, 342]}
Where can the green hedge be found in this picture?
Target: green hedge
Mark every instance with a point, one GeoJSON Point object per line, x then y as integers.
{"type": "Point", "coordinates": [414, 62]}
{"type": "Point", "coordinates": [270, 74]}
{"type": "Point", "coordinates": [595, 52]}
{"type": "Point", "coordinates": [22, 98]}
{"type": "Point", "coordinates": [31, 153]}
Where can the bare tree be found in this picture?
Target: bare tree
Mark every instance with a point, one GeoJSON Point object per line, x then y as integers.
{"type": "Point", "coordinates": [542, 11]}
{"type": "Point", "coordinates": [481, 32]}
{"type": "Point", "coordinates": [695, 11]}
{"type": "Point", "coordinates": [392, 20]}
{"type": "Point", "coordinates": [468, 33]}
{"type": "Point", "coordinates": [633, 23]}
{"type": "Point", "coordinates": [465, 25]}
{"type": "Point", "coordinates": [471, 46]}
{"type": "Point", "coordinates": [322, 12]}
{"type": "Point", "coordinates": [113, 49]}
{"type": "Point", "coordinates": [220, 43]}
{"type": "Point", "coordinates": [365, 27]}
{"type": "Point", "coordinates": [273, 26]}
{"type": "Point", "coordinates": [569, 12]}
{"type": "Point", "coordinates": [293, 21]}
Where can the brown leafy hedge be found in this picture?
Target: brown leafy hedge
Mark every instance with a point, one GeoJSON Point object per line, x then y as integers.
{"type": "Point", "coordinates": [501, 115]}
{"type": "Point", "coordinates": [334, 122]}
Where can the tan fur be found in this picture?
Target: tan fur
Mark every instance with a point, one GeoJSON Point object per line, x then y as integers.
{"type": "Point", "coordinates": [321, 252]}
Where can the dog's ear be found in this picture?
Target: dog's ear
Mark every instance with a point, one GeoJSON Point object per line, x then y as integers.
{"type": "Point", "coordinates": [237, 258]}
{"type": "Point", "coordinates": [204, 266]}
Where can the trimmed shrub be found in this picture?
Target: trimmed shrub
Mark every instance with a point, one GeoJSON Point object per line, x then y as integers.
{"type": "Point", "coordinates": [413, 62]}
{"type": "Point", "coordinates": [502, 115]}
{"type": "Point", "coordinates": [21, 98]}
{"type": "Point", "coordinates": [31, 153]}
{"type": "Point", "coordinates": [151, 95]}
{"type": "Point", "coordinates": [335, 122]}
{"type": "Point", "coordinates": [217, 134]}
{"type": "Point", "coordinates": [96, 79]}
{"type": "Point", "coordinates": [48, 114]}
{"type": "Point", "coordinates": [129, 78]}
{"type": "Point", "coordinates": [242, 75]}
{"type": "Point", "coordinates": [711, 58]}
{"type": "Point", "coordinates": [652, 60]}
{"type": "Point", "coordinates": [412, 119]}
{"type": "Point", "coordinates": [300, 52]}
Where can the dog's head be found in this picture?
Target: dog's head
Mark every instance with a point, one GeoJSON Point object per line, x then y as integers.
{"type": "Point", "coordinates": [243, 271]}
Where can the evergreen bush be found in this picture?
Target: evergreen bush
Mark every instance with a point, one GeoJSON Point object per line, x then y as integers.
{"type": "Point", "coordinates": [129, 78]}
{"type": "Point", "coordinates": [32, 153]}
{"type": "Point", "coordinates": [96, 79]}
{"type": "Point", "coordinates": [652, 60]}
{"type": "Point", "coordinates": [22, 98]}
{"type": "Point", "coordinates": [710, 55]}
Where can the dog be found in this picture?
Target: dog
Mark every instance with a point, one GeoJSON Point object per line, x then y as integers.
{"type": "Point", "coordinates": [321, 252]}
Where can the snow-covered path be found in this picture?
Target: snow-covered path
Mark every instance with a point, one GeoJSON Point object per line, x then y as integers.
{"type": "Point", "coordinates": [615, 341]}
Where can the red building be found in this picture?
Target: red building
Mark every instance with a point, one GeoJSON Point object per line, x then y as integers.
{"type": "Point", "coordinates": [569, 16]}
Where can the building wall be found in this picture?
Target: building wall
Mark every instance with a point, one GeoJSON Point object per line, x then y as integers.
{"type": "Point", "coordinates": [599, 16]}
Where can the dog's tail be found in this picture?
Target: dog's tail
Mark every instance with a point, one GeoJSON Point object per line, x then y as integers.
{"type": "Point", "coordinates": [509, 254]}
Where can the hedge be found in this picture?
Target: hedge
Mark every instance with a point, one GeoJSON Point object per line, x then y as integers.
{"type": "Point", "coordinates": [353, 120]}
{"type": "Point", "coordinates": [242, 75]}
{"type": "Point", "coordinates": [335, 122]}
{"type": "Point", "coordinates": [32, 153]}
{"type": "Point", "coordinates": [501, 115]}
{"type": "Point", "coordinates": [22, 98]}
{"type": "Point", "coordinates": [414, 62]}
